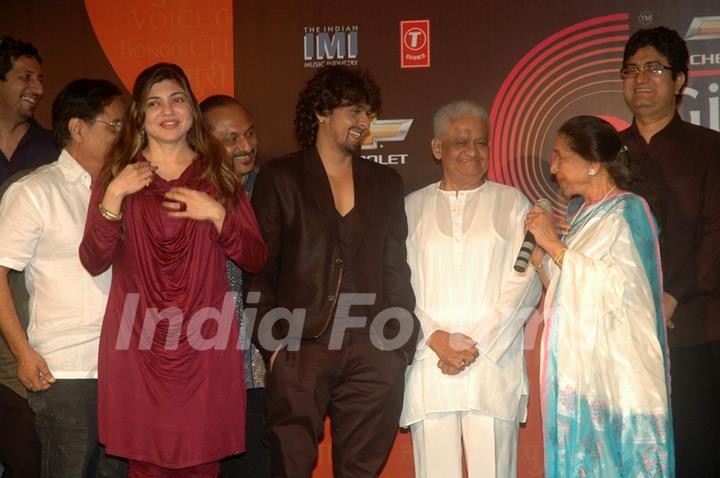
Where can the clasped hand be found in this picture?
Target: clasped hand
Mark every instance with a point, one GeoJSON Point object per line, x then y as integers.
{"type": "Point", "coordinates": [456, 351]}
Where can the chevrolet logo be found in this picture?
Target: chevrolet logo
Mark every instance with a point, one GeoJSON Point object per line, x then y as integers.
{"type": "Point", "coordinates": [386, 130]}
{"type": "Point", "coordinates": [704, 28]}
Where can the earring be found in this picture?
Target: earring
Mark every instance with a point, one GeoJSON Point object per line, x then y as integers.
{"type": "Point", "coordinates": [322, 121]}
{"type": "Point", "coordinates": [141, 132]}
{"type": "Point", "coordinates": [591, 172]}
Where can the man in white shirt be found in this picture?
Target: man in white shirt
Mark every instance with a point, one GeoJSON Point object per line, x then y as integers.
{"type": "Point", "coordinates": [42, 217]}
{"type": "Point", "coordinates": [468, 385]}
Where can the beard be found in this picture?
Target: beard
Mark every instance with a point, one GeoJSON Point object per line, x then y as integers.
{"type": "Point", "coordinates": [351, 148]}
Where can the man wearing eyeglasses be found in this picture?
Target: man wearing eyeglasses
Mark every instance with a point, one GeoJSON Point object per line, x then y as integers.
{"type": "Point", "coordinates": [42, 218]}
{"type": "Point", "coordinates": [682, 161]}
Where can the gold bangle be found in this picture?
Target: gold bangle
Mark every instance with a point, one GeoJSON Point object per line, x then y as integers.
{"type": "Point", "coordinates": [559, 258]}
{"type": "Point", "coordinates": [538, 268]}
{"type": "Point", "coordinates": [110, 216]}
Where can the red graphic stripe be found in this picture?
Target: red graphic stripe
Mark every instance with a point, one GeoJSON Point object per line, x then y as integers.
{"type": "Point", "coordinates": [533, 66]}
{"type": "Point", "coordinates": [499, 109]}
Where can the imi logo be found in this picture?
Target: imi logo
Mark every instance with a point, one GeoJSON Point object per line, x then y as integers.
{"type": "Point", "coordinates": [330, 45]}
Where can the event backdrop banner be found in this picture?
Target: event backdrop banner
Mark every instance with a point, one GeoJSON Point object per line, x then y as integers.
{"type": "Point", "coordinates": [533, 65]}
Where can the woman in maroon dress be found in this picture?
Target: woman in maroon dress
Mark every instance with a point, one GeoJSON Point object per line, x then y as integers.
{"type": "Point", "coordinates": [171, 390]}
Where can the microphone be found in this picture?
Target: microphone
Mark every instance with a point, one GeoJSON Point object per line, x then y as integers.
{"type": "Point", "coordinates": [528, 245]}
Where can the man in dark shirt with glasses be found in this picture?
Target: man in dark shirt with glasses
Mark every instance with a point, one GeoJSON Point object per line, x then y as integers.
{"type": "Point", "coordinates": [682, 161]}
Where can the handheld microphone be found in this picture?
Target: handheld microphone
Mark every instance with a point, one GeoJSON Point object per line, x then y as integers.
{"type": "Point", "coordinates": [528, 245]}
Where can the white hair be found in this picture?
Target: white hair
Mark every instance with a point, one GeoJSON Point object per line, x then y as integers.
{"type": "Point", "coordinates": [454, 110]}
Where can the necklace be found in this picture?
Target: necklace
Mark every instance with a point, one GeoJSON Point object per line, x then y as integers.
{"type": "Point", "coordinates": [589, 216]}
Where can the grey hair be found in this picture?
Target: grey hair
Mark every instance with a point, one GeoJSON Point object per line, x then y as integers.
{"type": "Point", "coordinates": [454, 110]}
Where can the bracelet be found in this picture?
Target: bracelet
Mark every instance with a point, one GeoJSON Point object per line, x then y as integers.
{"type": "Point", "coordinates": [538, 268]}
{"type": "Point", "coordinates": [559, 258]}
{"type": "Point", "coordinates": [110, 216]}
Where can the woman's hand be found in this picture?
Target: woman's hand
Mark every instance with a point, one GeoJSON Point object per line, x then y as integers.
{"type": "Point", "coordinates": [191, 204]}
{"type": "Point", "coordinates": [544, 228]}
{"type": "Point", "coordinates": [562, 226]}
{"type": "Point", "coordinates": [132, 178]}
{"type": "Point", "coordinates": [537, 256]}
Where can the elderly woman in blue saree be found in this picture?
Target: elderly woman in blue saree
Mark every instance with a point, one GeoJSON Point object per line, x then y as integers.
{"type": "Point", "coordinates": [604, 361]}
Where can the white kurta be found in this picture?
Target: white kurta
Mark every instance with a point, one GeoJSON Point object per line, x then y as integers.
{"type": "Point", "coordinates": [461, 250]}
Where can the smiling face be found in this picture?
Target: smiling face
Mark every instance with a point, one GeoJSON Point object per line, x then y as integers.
{"type": "Point", "coordinates": [22, 88]}
{"type": "Point", "coordinates": [463, 153]}
{"type": "Point", "coordinates": [233, 126]}
{"type": "Point", "coordinates": [570, 169]}
{"type": "Point", "coordinates": [168, 115]}
{"type": "Point", "coordinates": [651, 98]}
{"type": "Point", "coordinates": [345, 127]}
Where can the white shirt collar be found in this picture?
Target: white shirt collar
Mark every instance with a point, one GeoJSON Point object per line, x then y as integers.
{"type": "Point", "coordinates": [71, 169]}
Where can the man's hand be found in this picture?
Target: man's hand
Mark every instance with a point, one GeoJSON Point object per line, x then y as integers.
{"type": "Point", "coordinates": [669, 304]}
{"type": "Point", "coordinates": [33, 372]}
{"type": "Point", "coordinates": [455, 351]}
{"type": "Point", "coordinates": [448, 369]}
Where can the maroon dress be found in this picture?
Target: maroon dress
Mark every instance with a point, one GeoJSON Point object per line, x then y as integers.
{"type": "Point", "coordinates": [170, 387]}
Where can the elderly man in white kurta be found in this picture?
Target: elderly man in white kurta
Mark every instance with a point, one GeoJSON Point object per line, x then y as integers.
{"type": "Point", "coordinates": [468, 385]}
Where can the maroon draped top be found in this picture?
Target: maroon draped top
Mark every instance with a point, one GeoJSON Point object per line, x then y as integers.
{"type": "Point", "coordinates": [170, 386]}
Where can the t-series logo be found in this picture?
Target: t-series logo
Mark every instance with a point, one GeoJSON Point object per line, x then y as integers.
{"type": "Point", "coordinates": [331, 45]}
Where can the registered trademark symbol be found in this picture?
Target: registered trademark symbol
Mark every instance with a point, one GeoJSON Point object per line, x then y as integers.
{"type": "Point", "coordinates": [645, 18]}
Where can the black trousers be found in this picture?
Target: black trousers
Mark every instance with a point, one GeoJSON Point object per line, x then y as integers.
{"type": "Point", "coordinates": [19, 444]}
{"type": "Point", "coordinates": [255, 462]}
{"type": "Point", "coordinates": [359, 386]}
{"type": "Point", "coordinates": [695, 382]}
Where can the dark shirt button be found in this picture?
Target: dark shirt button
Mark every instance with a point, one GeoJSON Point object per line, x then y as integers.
{"type": "Point", "coordinates": [338, 261]}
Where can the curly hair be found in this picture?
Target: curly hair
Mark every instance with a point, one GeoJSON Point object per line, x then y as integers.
{"type": "Point", "coordinates": [668, 43]}
{"type": "Point", "coordinates": [12, 49]}
{"type": "Point", "coordinates": [332, 87]}
{"type": "Point", "coordinates": [218, 172]}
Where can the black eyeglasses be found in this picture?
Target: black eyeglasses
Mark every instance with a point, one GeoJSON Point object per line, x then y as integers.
{"type": "Point", "coordinates": [649, 69]}
{"type": "Point", "coordinates": [116, 125]}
